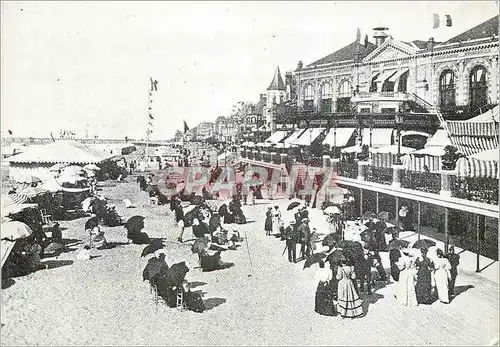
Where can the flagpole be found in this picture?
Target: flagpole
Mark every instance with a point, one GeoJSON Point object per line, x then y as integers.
{"type": "Point", "coordinates": [150, 92]}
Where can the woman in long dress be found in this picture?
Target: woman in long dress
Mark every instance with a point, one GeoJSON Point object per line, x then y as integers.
{"type": "Point", "coordinates": [268, 225]}
{"type": "Point", "coordinates": [424, 278]}
{"type": "Point", "coordinates": [349, 303]}
{"type": "Point", "coordinates": [323, 303]}
{"type": "Point", "coordinates": [405, 287]}
{"type": "Point", "coordinates": [276, 220]}
{"type": "Point", "coordinates": [442, 277]}
{"type": "Point", "coordinates": [97, 239]}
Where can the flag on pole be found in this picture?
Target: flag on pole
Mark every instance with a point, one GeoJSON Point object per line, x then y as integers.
{"type": "Point", "coordinates": [150, 116]}
{"type": "Point", "coordinates": [154, 85]}
{"type": "Point", "coordinates": [441, 20]}
{"type": "Point", "coordinates": [186, 128]}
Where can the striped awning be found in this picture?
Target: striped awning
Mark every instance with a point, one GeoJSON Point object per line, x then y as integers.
{"type": "Point", "coordinates": [385, 75]}
{"type": "Point", "coordinates": [484, 164]}
{"type": "Point", "coordinates": [6, 247]}
{"type": "Point", "coordinates": [398, 74]}
{"type": "Point", "coordinates": [338, 137]}
{"type": "Point", "coordinates": [417, 160]}
{"type": "Point", "coordinates": [291, 139]}
{"type": "Point", "coordinates": [276, 136]}
{"type": "Point", "coordinates": [473, 137]}
{"type": "Point", "coordinates": [380, 137]}
{"type": "Point", "coordinates": [308, 136]}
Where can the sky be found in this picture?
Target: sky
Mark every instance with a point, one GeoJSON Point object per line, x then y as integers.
{"type": "Point", "coordinates": [87, 65]}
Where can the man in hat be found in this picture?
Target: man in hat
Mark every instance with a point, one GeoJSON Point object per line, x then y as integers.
{"type": "Point", "coordinates": [305, 234]}
{"type": "Point", "coordinates": [291, 237]}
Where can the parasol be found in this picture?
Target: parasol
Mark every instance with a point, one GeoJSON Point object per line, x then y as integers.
{"type": "Point", "coordinates": [313, 259]}
{"type": "Point", "coordinates": [92, 167]}
{"type": "Point", "coordinates": [336, 256]}
{"type": "Point", "coordinates": [423, 243]}
{"type": "Point", "coordinates": [15, 230]}
{"type": "Point", "coordinates": [135, 223]}
{"type": "Point", "coordinates": [153, 246]}
{"type": "Point", "coordinates": [91, 223]}
{"type": "Point", "coordinates": [293, 205]}
{"type": "Point", "coordinates": [332, 210]}
{"type": "Point", "coordinates": [398, 244]}
{"type": "Point", "coordinates": [175, 274]}
{"type": "Point", "coordinates": [153, 268]}
{"type": "Point", "coordinates": [200, 244]}
{"type": "Point", "coordinates": [330, 240]}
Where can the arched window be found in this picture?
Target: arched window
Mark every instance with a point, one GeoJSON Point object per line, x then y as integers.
{"type": "Point", "coordinates": [344, 98]}
{"type": "Point", "coordinates": [326, 98]}
{"type": "Point", "coordinates": [309, 97]}
{"type": "Point", "coordinates": [402, 82]}
{"type": "Point", "coordinates": [478, 88]}
{"type": "Point", "coordinates": [373, 85]}
{"type": "Point", "coordinates": [447, 89]}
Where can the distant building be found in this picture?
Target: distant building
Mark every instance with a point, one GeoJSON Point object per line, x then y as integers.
{"type": "Point", "coordinates": [205, 130]}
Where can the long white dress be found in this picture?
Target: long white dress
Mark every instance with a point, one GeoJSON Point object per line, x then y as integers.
{"type": "Point", "coordinates": [405, 287]}
{"type": "Point", "coordinates": [442, 277]}
{"type": "Point", "coordinates": [276, 221]}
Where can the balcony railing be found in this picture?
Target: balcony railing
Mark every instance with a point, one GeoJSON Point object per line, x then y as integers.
{"type": "Point", "coordinates": [382, 175]}
{"type": "Point", "coordinates": [380, 95]}
{"type": "Point", "coordinates": [266, 157]}
{"type": "Point", "coordinates": [475, 189]}
{"type": "Point", "coordinates": [347, 169]}
{"type": "Point", "coordinates": [423, 181]}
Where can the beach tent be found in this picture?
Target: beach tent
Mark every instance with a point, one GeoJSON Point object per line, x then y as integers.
{"type": "Point", "coordinates": [430, 157]}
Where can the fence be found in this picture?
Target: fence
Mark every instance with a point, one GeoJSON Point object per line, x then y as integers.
{"type": "Point", "coordinates": [475, 189]}
{"type": "Point", "coordinates": [382, 175]}
{"type": "Point", "coordinates": [423, 181]}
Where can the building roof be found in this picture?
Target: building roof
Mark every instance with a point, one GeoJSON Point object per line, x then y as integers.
{"type": "Point", "coordinates": [64, 151]}
{"type": "Point", "coordinates": [277, 82]}
{"type": "Point", "coordinates": [346, 53]}
{"type": "Point", "coordinates": [484, 30]}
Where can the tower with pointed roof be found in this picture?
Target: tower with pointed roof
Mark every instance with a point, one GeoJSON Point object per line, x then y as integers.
{"type": "Point", "coordinates": [275, 95]}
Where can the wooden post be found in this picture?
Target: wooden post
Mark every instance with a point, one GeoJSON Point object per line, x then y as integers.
{"type": "Point", "coordinates": [360, 202]}
{"type": "Point", "coordinates": [418, 219]}
{"type": "Point", "coordinates": [478, 243]}
{"type": "Point", "coordinates": [397, 211]}
{"type": "Point", "coordinates": [446, 217]}
{"type": "Point", "coordinates": [376, 199]}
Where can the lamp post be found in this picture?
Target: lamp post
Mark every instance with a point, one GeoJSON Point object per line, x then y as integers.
{"type": "Point", "coordinates": [399, 121]}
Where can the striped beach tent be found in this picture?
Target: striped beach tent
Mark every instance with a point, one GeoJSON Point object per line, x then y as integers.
{"type": "Point", "coordinates": [387, 156]}
{"type": "Point", "coordinates": [430, 157]}
{"type": "Point", "coordinates": [483, 164]}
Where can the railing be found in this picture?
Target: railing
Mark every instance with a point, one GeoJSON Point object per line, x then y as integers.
{"type": "Point", "coordinates": [347, 169]}
{"type": "Point", "coordinates": [276, 158]}
{"type": "Point", "coordinates": [475, 189]}
{"type": "Point", "coordinates": [374, 95]}
{"type": "Point", "coordinates": [382, 175]}
{"type": "Point", "coordinates": [423, 181]}
{"type": "Point", "coordinates": [421, 102]}
{"type": "Point", "coordinates": [266, 157]}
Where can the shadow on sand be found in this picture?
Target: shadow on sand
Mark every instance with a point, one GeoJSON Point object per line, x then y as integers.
{"type": "Point", "coordinates": [212, 303]}
{"type": "Point", "coordinates": [53, 264]}
{"type": "Point", "coordinates": [459, 290]}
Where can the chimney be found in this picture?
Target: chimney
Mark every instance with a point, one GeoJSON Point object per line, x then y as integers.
{"type": "Point", "coordinates": [430, 43]}
{"type": "Point", "coordinates": [300, 65]}
{"type": "Point", "coordinates": [379, 35]}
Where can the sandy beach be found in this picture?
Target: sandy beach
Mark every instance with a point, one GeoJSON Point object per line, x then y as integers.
{"type": "Point", "coordinates": [265, 301]}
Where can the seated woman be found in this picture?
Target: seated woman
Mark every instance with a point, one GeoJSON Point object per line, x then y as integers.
{"type": "Point", "coordinates": [97, 239]}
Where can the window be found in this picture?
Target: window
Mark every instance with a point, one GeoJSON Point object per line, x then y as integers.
{"type": "Point", "coordinates": [478, 88]}
{"type": "Point", "coordinates": [326, 98]}
{"type": "Point", "coordinates": [403, 80]}
{"type": "Point", "coordinates": [309, 97]}
{"type": "Point", "coordinates": [447, 89]}
{"type": "Point", "coordinates": [373, 85]}
{"type": "Point", "coordinates": [344, 99]}
{"type": "Point", "coordinates": [288, 92]}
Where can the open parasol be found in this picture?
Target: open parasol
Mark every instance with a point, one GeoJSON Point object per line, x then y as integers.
{"type": "Point", "coordinates": [153, 246]}
{"type": "Point", "coordinates": [15, 230]}
{"type": "Point", "coordinates": [313, 259]}
{"type": "Point", "coordinates": [383, 216]}
{"type": "Point", "coordinates": [336, 256]}
{"type": "Point", "coordinates": [423, 243]}
{"type": "Point", "coordinates": [135, 223]}
{"type": "Point", "coordinates": [332, 210]}
{"type": "Point", "coordinates": [330, 239]}
{"type": "Point", "coordinates": [153, 268]}
{"type": "Point", "coordinates": [293, 205]}
{"type": "Point", "coordinates": [91, 223]}
{"type": "Point", "coordinates": [176, 274]}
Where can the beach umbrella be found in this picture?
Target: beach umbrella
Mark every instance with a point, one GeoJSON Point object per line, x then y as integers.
{"type": "Point", "coordinates": [398, 244]}
{"type": "Point", "coordinates": [332, 210]}
{"type": "Point", "coordinates": [15, 230]}
{"type": "Point", "coordinates": [423, 243]}
{"type": "Point", "coordinates": [313, 259]}
{"type": "Point", "coordinates": [91, 223]}
{"type": "Point", "coordinates": [383, 216]}
{"type": "Point", "coordinates": [293, 205]}
{"type": "Point", "coordinates": [92, 167]}
{"type": "Point", "coordinates": [330, 240]}
{"type": "Point", "coordinates": [336, 256]}
{"type": "Point", "coordinates": [154, 245]}
{"type": "Point", "coordinates": [30, 179]}
{"type": "Point", "coordinates": [200, 244]}
{"type": "Point", "coordinates": [153, 268]}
